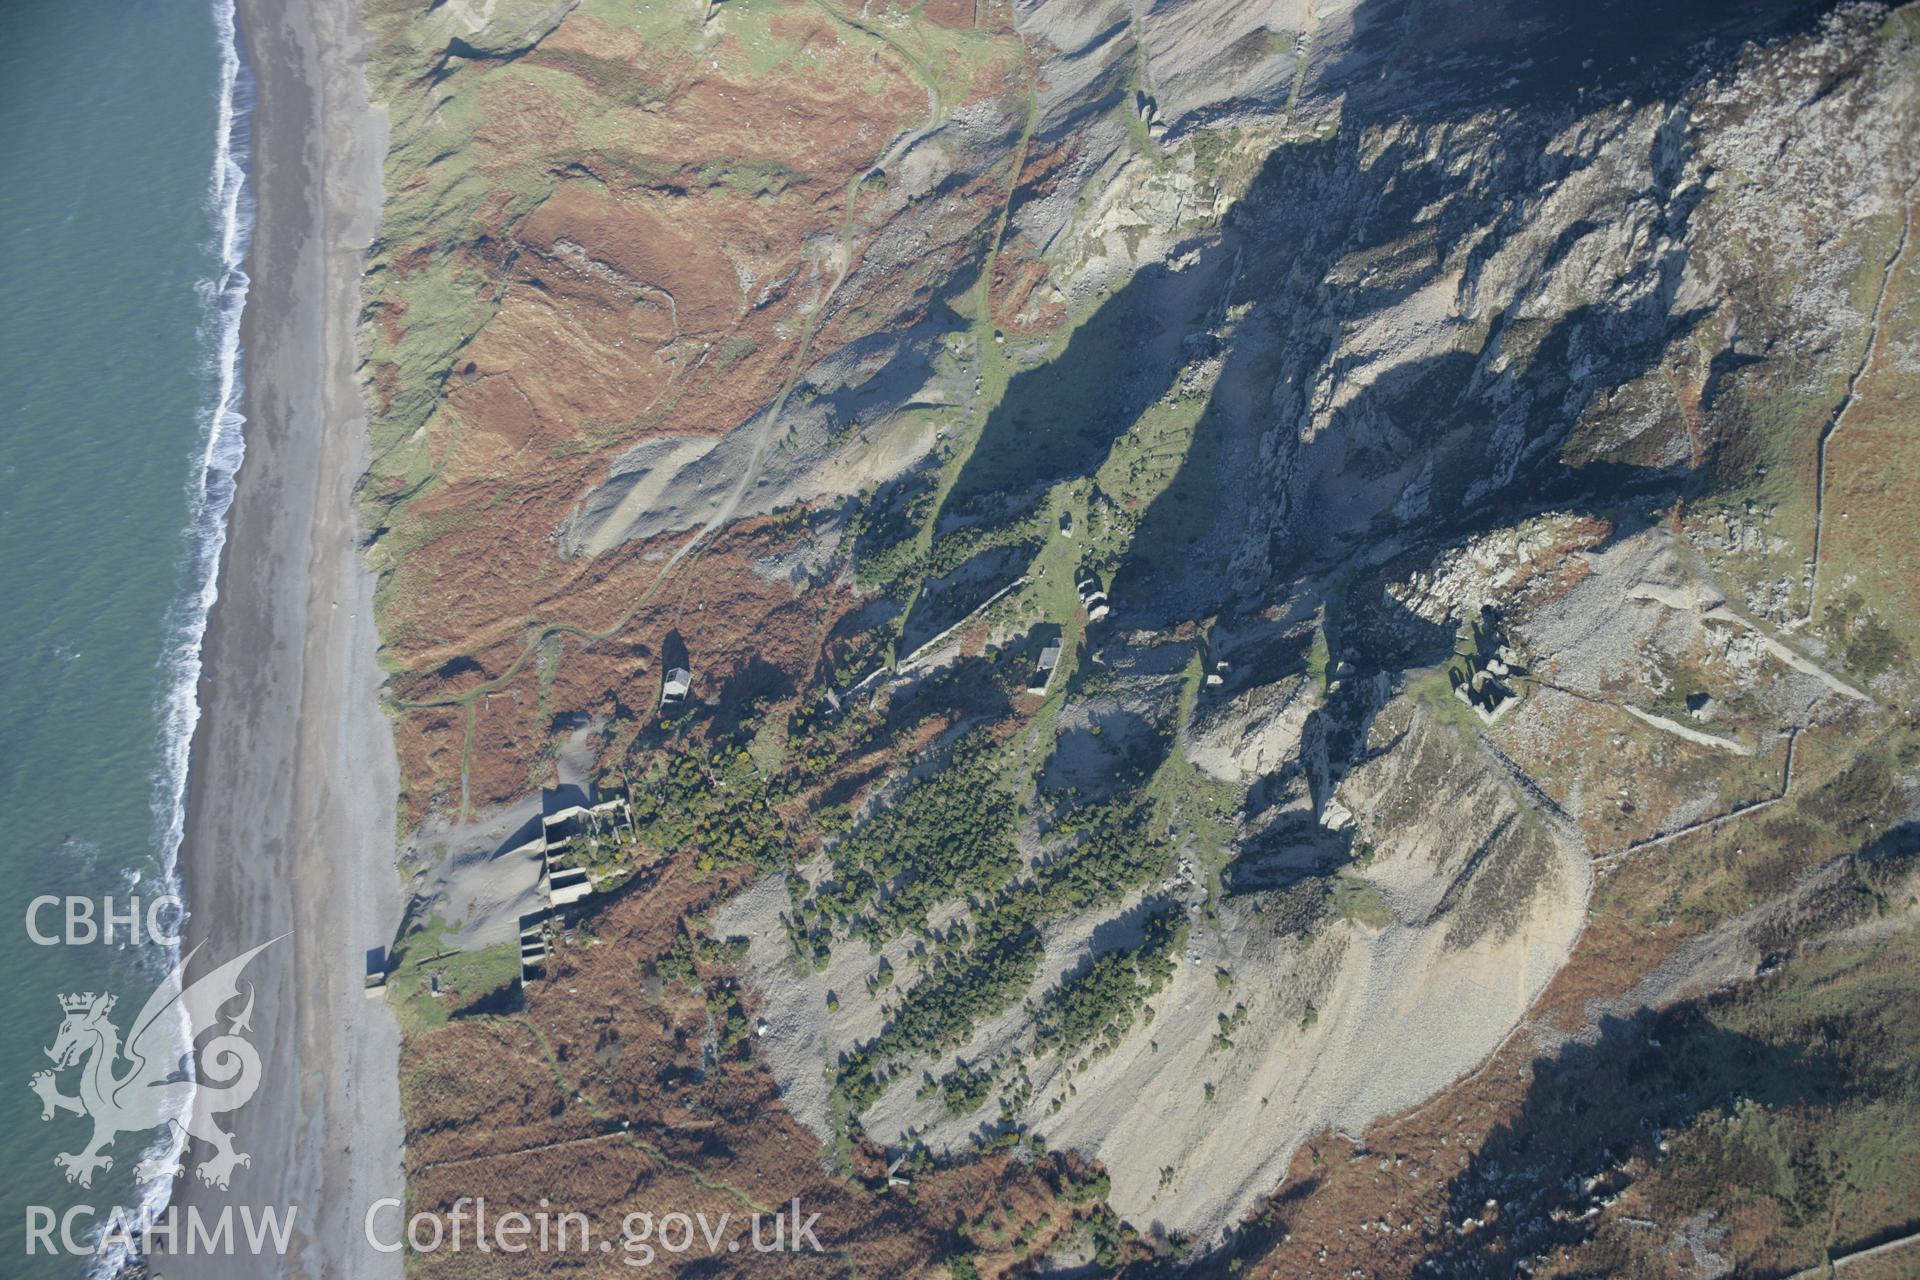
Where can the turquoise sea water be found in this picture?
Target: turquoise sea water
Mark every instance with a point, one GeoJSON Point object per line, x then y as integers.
{"type": "Point", "coordinates": [111, 325]}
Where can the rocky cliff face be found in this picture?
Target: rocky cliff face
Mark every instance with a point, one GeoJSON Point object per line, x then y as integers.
{"type": "Point", "coordinates": [1212, 538]}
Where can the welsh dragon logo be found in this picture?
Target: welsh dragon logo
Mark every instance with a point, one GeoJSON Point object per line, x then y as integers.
{"type": "Point", "coordinates": [155, 1086]}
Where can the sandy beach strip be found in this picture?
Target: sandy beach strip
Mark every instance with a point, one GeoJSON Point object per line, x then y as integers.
{"type": "Point", "coordinates": [290, 825]}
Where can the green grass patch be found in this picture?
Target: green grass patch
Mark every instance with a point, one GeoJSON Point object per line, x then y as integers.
{"type": "Point", "coordinates": [1433, 690]}
{"type": "Point", "coordinates": [465, 978]}
{"type": "Point", "coordinates": [1360, 901]}
{"type": "Point", "coordinates": [1319, 658]}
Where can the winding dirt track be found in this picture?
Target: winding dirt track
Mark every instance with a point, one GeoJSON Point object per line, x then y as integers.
{"type": "Point", "coordinates": [690, 550]}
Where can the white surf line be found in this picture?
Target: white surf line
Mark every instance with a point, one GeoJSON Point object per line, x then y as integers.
{"type": "Point", "coordinates": [1853, 384]}
{"type": "Point", "coordinates": [223, 297]}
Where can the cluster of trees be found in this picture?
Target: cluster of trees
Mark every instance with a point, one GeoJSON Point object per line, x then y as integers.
{"type": "Point", "coordinates": [1229, 1023]}
{"type": "Point", "coordinates": [714, 801]}
{"type": "Point", "coordinates": [728, 1018]}
{"type": "Point", "coordinates": [1109, 1237]}
{"type": "Point", "coordinates": [1119, 847]}
{"type": "Point", "coordinates": [848, 658]}
{"type": "Point", "coordinates": [943, 837]}
{"type": "Point", "coordinates": [724, 953]}
{"type": "Point", "coordinates": [811, 942]}
{"type": "Point", "coordinates": [677, 965]}
{"type": "Point", "coordinates": [1003, 1230]}
{"type": "Point", "coordinates": [1114, 851]}
{"type": "Point", "coordinates": [819, 735]}
{"type": "Point", "coordinates": [943, 1009]}
{"type": "Point", "coordinates": [951, 550]}
{"type": "Point", "coordinates": [964, 1089]}
{"type": "Point", "coordinates": [1098, 1007]}
{"type": "Point", "coordinates": [694, 951]}
{"type": "Point", "coordinates": [883, 527]}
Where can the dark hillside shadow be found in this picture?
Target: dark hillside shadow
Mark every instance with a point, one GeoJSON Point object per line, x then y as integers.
{"type": "Point", "coordinates": [1587, 1109]}
{"type": "Point", "coordinates": [1376, 634]}
{"type": "Point", "coordinates": [1479, 430]}
{"type": "Point", "coordinates": [971, 688]}
{"type": "Point", "coordinates": [1058, 420]}
{"type": "Point", "coordinates": [1477, 433]}
{"type": "Point", "coordinates": [1432, 452]}
{"type": "Point", "coordinates": [565, 795]}
{"type": "Point", "coordinates": [1595, 1106]}
{"type": "Point", "coordinates": [1456, 56]}
{"type": "Point", "coordinates": [1488, 424]}
{"type": "Point", "coordinates": [746, 694]}
{"type": "Point", "coordinates": [1098, 767]}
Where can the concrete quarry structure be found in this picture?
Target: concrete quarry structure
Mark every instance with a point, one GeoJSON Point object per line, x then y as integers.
{"type": "Point", "coordinates": [566, 884]}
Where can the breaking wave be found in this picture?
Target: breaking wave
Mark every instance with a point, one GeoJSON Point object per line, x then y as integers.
{"type": "Point", "coordinates": [223, 297]}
